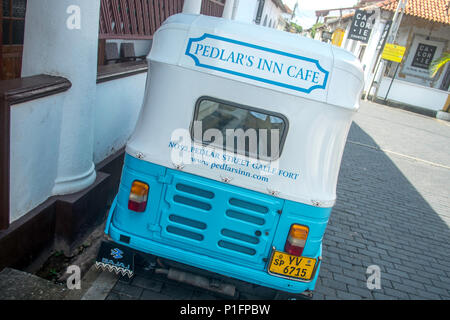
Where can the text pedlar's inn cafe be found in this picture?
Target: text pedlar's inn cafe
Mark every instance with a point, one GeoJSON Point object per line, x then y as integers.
{"type": "Point", "coordinates": [397, 50]}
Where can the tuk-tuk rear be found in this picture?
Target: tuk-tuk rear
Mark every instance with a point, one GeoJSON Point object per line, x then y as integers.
{"type": "Point", "coordinates": [189, 194]}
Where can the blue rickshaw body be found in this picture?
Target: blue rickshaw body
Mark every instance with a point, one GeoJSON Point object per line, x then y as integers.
{"type": "Point", "coordinates": [226, 209]}
{"type": "Point", "coordinates": [188, 227]}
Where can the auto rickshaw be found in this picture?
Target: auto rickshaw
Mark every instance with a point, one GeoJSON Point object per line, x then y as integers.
{"type": "Point", "coordinates": [193, 190]}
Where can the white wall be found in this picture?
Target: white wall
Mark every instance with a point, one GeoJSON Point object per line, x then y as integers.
{"type": "Point", "coordinates": [55, 44]}
{"type": "Point", "coordinates": [35, 137]}
{"type": "Point", "coordinates": [55, 140]}
{"type": "Point", "coordinates": [245, 10]}
{"type": "Point", "coordinates": [370, 55]}
{"type": "Point", "coordinates": [117, 107]}
{"type": "Point", "coordinates": [34, 152]}
{"type": "Point", "coordinates": [273, 14]}
{"type": "Point", "coordinates": [413, 94]}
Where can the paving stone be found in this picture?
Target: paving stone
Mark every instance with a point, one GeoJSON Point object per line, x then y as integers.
{"type": "Point", "coordinates": [325, 290]}
{"type": "Point", "coordinates": [346, 280]}
{"type": "Point", "coordinates": [396, 293]}
{"type": "Point", "coordinates": [127, 289]}
{"type": "Point", "coordinates": [347, 296]}
{"type": "Point", "coordinates": [119, 296]}
{"type": "Point", "coordinates": [334, 284]}
{"type": "Point", "coordinates": [113, 296]}
{"type": "Point", "coordinates": [414, 284]}
{"type": "Point", "coordinates": [177, 292]}
{"type": "Point", "coordinates": [202, 295]}
{"type": "Point", "coordinates": [152, 295]}
{"type": "Point", "coordinates": [318, 296]}
{"type": "Point", "coordinates": [362, 292]}
{"type": "Point", "coordinates": [380, 296]}
{"type": "Point", "coordinates": [404, 288]}
{"type": "Point", "coordinates": [249, 296]}
{"type": "Point", "coordinates": [147, 283]}
{"type": "Point", "coordinates": [331, 298]}
{"type": "Point", "coordinates": [445, 294]}
{"type": "Point", "coordinates": [401, 274]}
{"type": "Point", "coordinates": [428, 295]}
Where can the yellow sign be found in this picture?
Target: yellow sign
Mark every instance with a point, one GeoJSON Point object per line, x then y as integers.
{"type": "Point", "coordinates": [337, 37]}
{"type": "Point", "coordinates": [393, 52]}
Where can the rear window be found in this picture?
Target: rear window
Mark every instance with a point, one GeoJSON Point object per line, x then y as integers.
{"type": "Point", "coordinates": [240, 129]}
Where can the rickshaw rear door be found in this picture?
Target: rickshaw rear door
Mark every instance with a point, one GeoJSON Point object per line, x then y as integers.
{"type": "Point", "coordinates": [218, 219]}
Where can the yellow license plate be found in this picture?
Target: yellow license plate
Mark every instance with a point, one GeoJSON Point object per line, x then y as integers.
{"type": "Point", "coordinates": [292, 266]}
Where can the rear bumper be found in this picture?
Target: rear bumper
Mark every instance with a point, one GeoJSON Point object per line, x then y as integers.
{"type": "Point", "coordinates": [208, 263]}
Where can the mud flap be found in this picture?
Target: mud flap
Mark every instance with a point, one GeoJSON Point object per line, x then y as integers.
{"type": "Point", "coordinates": [116, 258]}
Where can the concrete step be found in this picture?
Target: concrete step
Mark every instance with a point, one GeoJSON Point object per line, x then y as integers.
{"type": "Point", "coordinates": [19, 285]}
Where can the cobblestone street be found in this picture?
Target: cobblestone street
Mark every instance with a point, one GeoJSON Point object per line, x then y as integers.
{"type": "Point", "coordinates": [392, 210]}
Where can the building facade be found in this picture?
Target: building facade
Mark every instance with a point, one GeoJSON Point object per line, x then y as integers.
{"type": "Point", "coordinates": [424, 30]}
{"type": "Point", "coordinates": [66, 114]}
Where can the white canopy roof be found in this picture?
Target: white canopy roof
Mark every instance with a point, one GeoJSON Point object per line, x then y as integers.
{"type": "Point", "coordinates": [263, 56]}
{"type": "Point", "coordinates": [314, 85]}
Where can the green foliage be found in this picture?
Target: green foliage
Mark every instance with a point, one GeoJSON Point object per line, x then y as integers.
{"type": "Point", "coordinates": [439, 63]}
{"type": "Point", "coordinates": [293, 27]}
{"type": "Point", "coordinates": [314, 28]}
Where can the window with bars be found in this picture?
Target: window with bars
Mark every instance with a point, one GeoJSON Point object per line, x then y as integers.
{"type": "Point", "coordinates": [13, 21]}
{"type": "Point", "coordinates": [139, 19]}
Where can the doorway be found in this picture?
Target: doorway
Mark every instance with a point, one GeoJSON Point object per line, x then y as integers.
{"type": "Point", "coordinates": [12, 28]}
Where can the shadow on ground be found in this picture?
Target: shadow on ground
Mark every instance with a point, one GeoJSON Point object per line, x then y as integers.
{"type": "Point", "coordinates": [381, 219]}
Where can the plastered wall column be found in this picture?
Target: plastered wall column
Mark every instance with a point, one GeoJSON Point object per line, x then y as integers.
{"type": "Point", "coordinates": [245, 10]}
{"type": "Point", "coordinates": [61, 38]}
{"type": "Point", "coordinates": [228, 9]}
{"type": "Point", "coordinates": [192, 6]}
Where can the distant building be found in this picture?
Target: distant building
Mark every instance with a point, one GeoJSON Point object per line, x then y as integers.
{"type": "Point", "coordinates": [268, 13]}
{"type": "Point", "coordinates": [425, 32]}
{"type": "Point", "coordinates": [275, 14]}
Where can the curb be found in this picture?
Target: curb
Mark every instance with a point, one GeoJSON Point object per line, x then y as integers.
{"type": "Point", "coordinates": [95, 285]}
{"type": "Point", "coordinates": [442, 115]}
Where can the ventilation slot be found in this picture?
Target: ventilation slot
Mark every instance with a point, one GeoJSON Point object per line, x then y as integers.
{"type": "Point", "coordinates": [239, 236]}
{"type": "Point", "coordinates": [236, 247]}
{"type": "Point", "coordinates": [195, 191]}
{"type": "Point", "coordinates": [187, 222]}
{"type": "Point", "coordinates": [248, 205]}
{"type": "Point", "coordinates": [184, 233]}
{"type": "Point", "coordinates": [192, 203]}
{"type": "Point", "coordinates": [245, 217]}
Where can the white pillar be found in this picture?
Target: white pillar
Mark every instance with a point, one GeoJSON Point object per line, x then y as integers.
{"type": "Point", "coordinates": [228, 9]}
{"type": "Point", "coordinates": [61, 38]}
{"type": "Point", "coordinates": [245, 10]}
{"type": "Point", "coordinates": [192, 6]}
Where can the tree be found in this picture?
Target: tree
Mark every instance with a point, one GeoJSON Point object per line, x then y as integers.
{"type": "Point", "coordinates": [294, 28]}
{"type": "Point", "coordinates": [314, 28]}
{"type": "Point", "coordinates": [439, 63]}
{"type": "Point", "coordinates": [435, 66]}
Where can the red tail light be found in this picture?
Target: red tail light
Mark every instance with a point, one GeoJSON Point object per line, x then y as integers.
{"type": "Point", "coordinates": [138, 196]}
{"type": "Point", "coordinates": [296, 240]}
